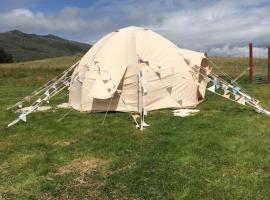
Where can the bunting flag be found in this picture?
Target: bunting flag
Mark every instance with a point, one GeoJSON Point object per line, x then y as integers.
{"type": "Point", "coordinates": [169, 89]}
{"type": "Point", "coordinates": [27, 98]}
{"type": "Point", "coordinates": [212, 88]}
{"type": "Point", "coordinates": [135, 117]}
{"type": "Point", "coordinates": [241, 100]}
{"type": "Point", "coordinates": [23, 117]}
{"type": "Point", "coordinates": [45, 92]}
{"type": "Point", "coordinates": [247, 98]}
{"type": "Point", "coordinates": [225, 89]}
{"type": "Point", "coordinates": [19, 104]}
{"type": "Point", "coordinates": [215, 81]}
{"type": "Point", "coordinates": [208, 70]}
{"type": "Point", "coordinates": [236, 90]}
{"type": "Point", "coordinates": [158, 74]}
{"type": "Point", "coordinates": [66, 83]}
{"type": "Point", "coordinates": [38, 100]}
{"type": "Point", "coordinates": [145, 112]}
{"type": "Point", "coordinates": [227, 95]}
{"type": "Point", "coordinates": [236, 97]}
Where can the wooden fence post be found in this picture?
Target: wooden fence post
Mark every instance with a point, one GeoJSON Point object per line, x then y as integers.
{"type": "Point", "coordinates": [250, 63]}
{"type": "Point", "coordinates": [269, 65]}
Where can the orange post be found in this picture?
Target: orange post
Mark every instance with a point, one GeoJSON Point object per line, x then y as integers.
{"type": "Point", "coordinates": [250, 63]}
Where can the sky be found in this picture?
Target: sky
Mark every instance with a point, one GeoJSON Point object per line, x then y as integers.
{"type": "Point", "coordinates": [218, 27]}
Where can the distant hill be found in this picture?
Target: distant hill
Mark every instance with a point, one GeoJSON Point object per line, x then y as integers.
{"type": "Point", "coordinates": [24, 47]}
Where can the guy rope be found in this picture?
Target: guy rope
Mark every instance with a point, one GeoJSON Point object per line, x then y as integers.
{"type": "Point", "coordinates": [43, 94]}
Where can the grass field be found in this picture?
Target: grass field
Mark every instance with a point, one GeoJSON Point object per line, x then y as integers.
{"type": "Point", "coordinates": [221, 153]}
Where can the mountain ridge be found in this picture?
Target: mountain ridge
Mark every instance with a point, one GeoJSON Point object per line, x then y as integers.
{"type": "Point", "coordinates": [25, 47]}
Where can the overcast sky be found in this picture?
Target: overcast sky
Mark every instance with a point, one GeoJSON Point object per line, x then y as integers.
{"type": "Point", "coordinates": [218, 27]}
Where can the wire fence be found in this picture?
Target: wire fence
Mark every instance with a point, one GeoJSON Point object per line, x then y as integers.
{"type": "Point", "coordinates": [238, 69]}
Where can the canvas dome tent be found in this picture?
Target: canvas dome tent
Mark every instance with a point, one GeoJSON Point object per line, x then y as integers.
{"type": "Point", "coordinates": [136, 70]}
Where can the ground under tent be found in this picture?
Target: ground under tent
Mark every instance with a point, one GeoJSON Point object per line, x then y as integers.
{"type": "Point", "coordinates": [136, 70]}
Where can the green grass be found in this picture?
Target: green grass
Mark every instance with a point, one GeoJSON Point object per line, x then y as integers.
{"type": "Point", "coordinates": [221, 153]}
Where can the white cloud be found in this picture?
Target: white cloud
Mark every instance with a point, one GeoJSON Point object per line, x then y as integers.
{"type": "Point", "coordinates": [220, 27]}
{"type": "Point", "coordinates": [238, 51]}
{"type": "Point", "coordinates": [217, 24]}
{"type": "Point", "coordinates": [26, 20]}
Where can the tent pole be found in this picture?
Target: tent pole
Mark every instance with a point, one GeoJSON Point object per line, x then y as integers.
{"type": "Point", "coordinates": [141, 100]}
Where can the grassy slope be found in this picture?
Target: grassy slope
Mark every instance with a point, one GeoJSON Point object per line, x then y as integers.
{"type": "Point", "coordinates": [221, 153]}
{"type": "Point", "coordinates": [25, 47]}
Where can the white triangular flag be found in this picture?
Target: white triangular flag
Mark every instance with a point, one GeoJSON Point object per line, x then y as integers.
{"type": "Point", "coordinates": [38, 100]}
{"type": "Point", "coordinates": [145, 112]}
{"type": "Point", "coordinates": [242, 101]}
{"type": "Point", "coordinates": [66, 83]}
{"type": "Point", "coordinates": [28, 98]}
{"type": "Point", "coordinates": [19, 104]}
{"type": "Point", "coordinates": [47, 93]}
{"type": "Point", "coordinates": [215, 81]}
{"type": "Point", "coordinates": [145, 124]}
{"type": "Point", "coordinates": [46, 99]}
{"type": "Point", "coordinates": [23, 117]}
{"type": "Point", "coordinates": [236, 97]}
{"type": "Point", "coordinates": [227, 95]}
{"type": "Point", "coordinates": [225, 89]}
{"type": "Point", "coordinates": [247, 98]}
{"type": "Point", "coordinates": [212, 88]}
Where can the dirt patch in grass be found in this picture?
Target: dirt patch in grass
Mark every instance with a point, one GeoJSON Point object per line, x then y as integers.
{"type": "Point", "coordinates": [89, 182]}
{"type": "Point", "coordinates": [64, 143]}
{"type": "Point", "coordinates": [83, 165]}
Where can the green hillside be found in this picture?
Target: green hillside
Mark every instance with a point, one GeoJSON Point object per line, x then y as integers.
{"type": "Point", "coordinates": [24, 47]}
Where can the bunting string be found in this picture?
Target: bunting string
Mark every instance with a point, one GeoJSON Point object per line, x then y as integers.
{"type": "Point", "coordinates": [45, 92]}
{"type": "Point", "coordinates": [51, 84]}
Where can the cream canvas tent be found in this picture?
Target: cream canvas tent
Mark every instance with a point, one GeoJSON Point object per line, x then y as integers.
{"type": "Point", "coordinates": [136, 70]}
